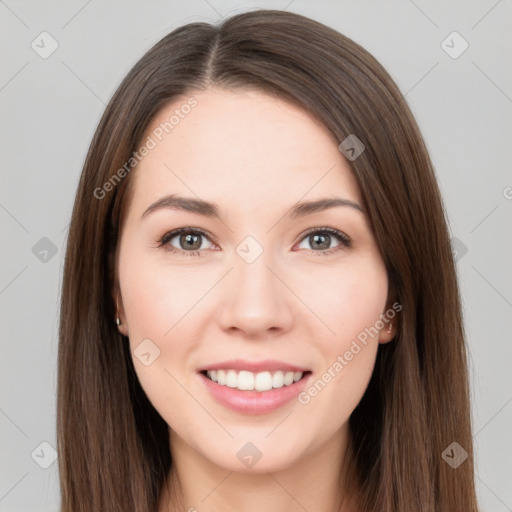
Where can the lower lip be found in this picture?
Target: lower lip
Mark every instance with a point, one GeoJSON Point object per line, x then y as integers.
{"type": "Point", "coordinates": [254, 402]}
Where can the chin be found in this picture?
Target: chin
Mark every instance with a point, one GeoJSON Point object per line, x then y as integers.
{"type": "Point", "coordinates": [255, 458]}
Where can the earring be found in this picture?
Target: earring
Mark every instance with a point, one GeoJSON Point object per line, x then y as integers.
{"type": "Point", "coordinates": [390, 328]}
{"type": "Point", "coordinates": [118, 321]}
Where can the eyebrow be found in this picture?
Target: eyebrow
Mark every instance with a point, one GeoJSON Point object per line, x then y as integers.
{"type": "Point", "coordinates": [208, 209]}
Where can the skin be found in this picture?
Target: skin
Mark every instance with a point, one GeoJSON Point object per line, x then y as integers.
{"type": "Point", "coordinates": [255, 156]}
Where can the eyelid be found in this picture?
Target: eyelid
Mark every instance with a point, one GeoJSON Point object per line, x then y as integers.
{"type": "Point", "coordinates": [345, 242]}
{"type": "Point", "coordinates": [169, 235]}
{"type": "Point", "coordinates": [342, 238]}
{"type": "Point", "coordinates": [326, 229]}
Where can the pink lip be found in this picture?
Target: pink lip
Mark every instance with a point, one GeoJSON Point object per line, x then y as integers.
{"type": "Point", "coordinates": [254, 366]}
{"type": "Point", "coordinates": [254, 402]}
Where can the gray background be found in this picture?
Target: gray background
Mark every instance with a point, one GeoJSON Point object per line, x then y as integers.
{"type": "Point", "coordinates": [49, 108]}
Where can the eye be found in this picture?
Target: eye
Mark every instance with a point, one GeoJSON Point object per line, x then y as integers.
{"type": "Point", "coordinates": [189, 241]}
{"type": "Point", "coordinates": [320, 240]}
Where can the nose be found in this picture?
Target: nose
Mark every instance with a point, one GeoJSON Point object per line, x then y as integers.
{"type": "Point", "coordinates": [255, 300]}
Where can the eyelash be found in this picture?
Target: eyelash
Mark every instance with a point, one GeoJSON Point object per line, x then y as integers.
{"type": "Point", "coordinates": [345, 241]}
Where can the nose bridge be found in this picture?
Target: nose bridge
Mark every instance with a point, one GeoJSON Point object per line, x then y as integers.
{"type": "Point", "coordinates": [255, 284]}
{"type": "Point", "coordinates": [255, 298]}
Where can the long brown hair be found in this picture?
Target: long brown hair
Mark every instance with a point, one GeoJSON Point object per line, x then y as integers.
{"type": "Point", "coordinates": [113, 445]}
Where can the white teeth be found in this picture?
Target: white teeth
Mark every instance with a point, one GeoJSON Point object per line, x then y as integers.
{"type": "Point", "coordinates": [248, 381]}
{"type": "Point", "coordinates": [288, 378]}
{"type": "Point", "coordinates": [231, 379]}
{"type": "Point", "coordinates": [245, 381]}
{"type": "Point", "coordinates": [263, 381]}
{"type": "Point", "coordinates": [278, 380]}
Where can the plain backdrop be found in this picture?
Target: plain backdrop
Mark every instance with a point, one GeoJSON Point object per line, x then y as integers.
{"type": "Point", "coordinates": [60, 62]}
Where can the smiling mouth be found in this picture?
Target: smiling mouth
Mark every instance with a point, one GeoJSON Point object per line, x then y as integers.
{"type": "Point", "coordinates": [251, 381]}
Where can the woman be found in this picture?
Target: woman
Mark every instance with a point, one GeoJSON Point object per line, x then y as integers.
{"type": "Point", "coordinates": [260, 305]}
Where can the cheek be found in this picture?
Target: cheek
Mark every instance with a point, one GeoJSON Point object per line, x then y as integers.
{"type": "Point", "coordinates": [163, 309]}
{"type": "Point", "coordinates": [158, 298]}
{"type": "Point", "coordinates": [334, 393]}
{"type": "Point", "coordinates": [347, 299]}
{"type": "Point", "coordinates": [351, 306]}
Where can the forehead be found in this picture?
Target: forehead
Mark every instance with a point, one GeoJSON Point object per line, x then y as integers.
{"type": "Point", "coordinates": [244, 148]}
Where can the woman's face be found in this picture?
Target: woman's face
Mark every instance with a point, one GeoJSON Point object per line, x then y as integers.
{"type": "Point", "coordinates": [261, 290]}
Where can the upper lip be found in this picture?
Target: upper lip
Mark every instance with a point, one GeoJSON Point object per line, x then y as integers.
{"type": "Point", "coordinates": [254, 366]}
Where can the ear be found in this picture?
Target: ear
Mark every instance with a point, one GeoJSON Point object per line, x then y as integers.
{"type": "Point", "coordinates": [117, 299]}
{"type": "Point", "coordinates": [119, 310]}
{"type": "Point", "coordinates": [388, 332]}
{"type": "Point", "coordinates": [390, 318]}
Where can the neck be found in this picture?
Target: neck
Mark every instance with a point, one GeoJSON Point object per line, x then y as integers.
{"type": "Point", "coordinates": [318, 481]}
